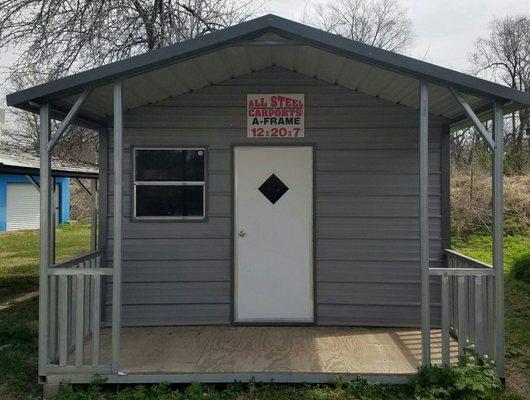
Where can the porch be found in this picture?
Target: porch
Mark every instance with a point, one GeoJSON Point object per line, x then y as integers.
{"type": "Point", "coordinates": [80, 347]}
{"type": "Point", "coordinates": [266, 353]}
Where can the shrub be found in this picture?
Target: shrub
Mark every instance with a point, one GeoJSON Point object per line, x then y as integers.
{"type": "Point", "coordinates": [471, 204]}
{"type": "Point", "coordinates": [521, 268]}
{"type": "Point", "coordinates": [467, 381]}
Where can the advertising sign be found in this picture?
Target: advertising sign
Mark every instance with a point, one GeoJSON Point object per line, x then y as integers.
{"type": "Point", "coordinates": [275, 115]}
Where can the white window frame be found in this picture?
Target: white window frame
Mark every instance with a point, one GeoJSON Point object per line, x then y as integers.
{"type": "Point", "coordinates": [136, 183]}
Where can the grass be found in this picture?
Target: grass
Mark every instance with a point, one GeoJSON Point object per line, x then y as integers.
{"type": "Point", "coordinates": [517, 300]}
{"type": "Point", "coordinates": [19, 254]}
{"type": "Point", "coordinates": [18, 322]}
{"type": "Point", "coordinates": [18, 341]}
{"type": "Point", "coordinates": [19, 251]}
{"type": "Point", "coordinates": [479, 247]}
{"type": "Point", "coordinates": [18, 351]}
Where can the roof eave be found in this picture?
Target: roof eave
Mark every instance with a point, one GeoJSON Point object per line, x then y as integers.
{"type": "Point", "coordinates": [251, 29]}
{"type": "Point", "coordinates": [58, 173]}
{"type": "Point", "coordinates": [135, 65]}
{"type": "Point", "coordinates": [400, 63]}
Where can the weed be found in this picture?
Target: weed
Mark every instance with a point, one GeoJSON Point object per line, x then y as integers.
{"type": "Point", "coordinates": [466, 381]}
{"type": "Point", "coordinates": [521, 268]}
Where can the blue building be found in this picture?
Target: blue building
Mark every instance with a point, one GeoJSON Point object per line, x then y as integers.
{"type": "Point", "coordinates": [19, 191]}
{"type": "Point", "coordinates": [19, 202]}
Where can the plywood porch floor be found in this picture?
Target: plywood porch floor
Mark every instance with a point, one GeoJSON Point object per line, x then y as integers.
{"type": "Point", "coordinates": [312, 350]}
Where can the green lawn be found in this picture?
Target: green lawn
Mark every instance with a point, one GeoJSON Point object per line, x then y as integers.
{"type": "Point", "coordinates": [517, 295]}
{"type": "Point", "coordinates": [19, 256]}
{"type": "Point", "coordinates": [479, 247]}
{"type": "Point", "coordinates": [18, 339]}
{"type": "Point", "coordinates": [19, 251]}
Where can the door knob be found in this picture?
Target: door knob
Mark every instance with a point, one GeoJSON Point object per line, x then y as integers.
{"type": "Point", "coordinates": [242, 233]}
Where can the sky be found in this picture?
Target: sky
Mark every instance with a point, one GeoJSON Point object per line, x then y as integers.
{"type": "Point", "coordinates": [444, 29]}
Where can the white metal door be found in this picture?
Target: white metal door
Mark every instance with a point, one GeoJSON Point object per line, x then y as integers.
{"type": "Point", "coordinates": [23, 206]}
{"type": "Point", "coordinates": [273, 238]}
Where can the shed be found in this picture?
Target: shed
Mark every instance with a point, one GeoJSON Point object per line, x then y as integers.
{"type": "Point", "coordinates": [273, 205]}
{"type": "Point", "coordinates": [19, 189]}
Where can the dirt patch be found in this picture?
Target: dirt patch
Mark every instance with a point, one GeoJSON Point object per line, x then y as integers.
{"type": "Point", "coordinates": [518, 380]}
{"type": "Point", "coordinates": [15, 298]}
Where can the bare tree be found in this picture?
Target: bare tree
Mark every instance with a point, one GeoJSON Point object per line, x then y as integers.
{"type": "Point", "coordinates": [56, 38]}
{"type": "Point", "coordinates": [59, 37]}
{"type": "Point", "coordinates": [380, 23]}
{"type": "Point", "coordinates": [79, 145]}
{"type": "Point", "coordinates": [505, 57]}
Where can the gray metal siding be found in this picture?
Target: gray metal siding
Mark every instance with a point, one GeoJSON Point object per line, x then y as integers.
{"type": "Point", "coordinates": [366, 211]}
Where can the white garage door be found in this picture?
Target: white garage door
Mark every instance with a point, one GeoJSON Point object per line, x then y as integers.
{"type": "Point", "coordinates": [23, 206]}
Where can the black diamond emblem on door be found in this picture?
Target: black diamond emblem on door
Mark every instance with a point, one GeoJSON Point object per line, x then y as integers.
{"type": "Point", "coordinates": [273, 188]}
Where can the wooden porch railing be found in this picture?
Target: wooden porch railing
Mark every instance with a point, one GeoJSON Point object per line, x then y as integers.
{"type": "Point", "coordinates": [74, 314]}
{"type": "Point", "coordinates": [468, 306]}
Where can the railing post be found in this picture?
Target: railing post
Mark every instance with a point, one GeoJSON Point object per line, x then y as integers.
{"type": "Point", "coordinates": [490, 281]}
{"type": "Point", "coordinates": [79, 318]}
{"type": "Point", "coordinates": [424, 221]}
{"type": "Point", "coordinates": [446, 349]}
{"type": "Point", "coordinates": [479, 316]}
{"type": "Point", "coordinates": [117, 250]}
{"type": "Point", "coordinates": [498, 234]}
{"type": "Point", "coordinates": [462, 315]}
{"type": "Point", "coordinates": [63, 320]}
{"type": "Point", "coordinates": [45, 240]}
{"type": "Point", "coordinates": [96, 316]}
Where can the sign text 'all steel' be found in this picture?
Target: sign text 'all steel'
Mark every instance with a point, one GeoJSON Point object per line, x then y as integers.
{"type": "Point", "coordinates": [275, 115]}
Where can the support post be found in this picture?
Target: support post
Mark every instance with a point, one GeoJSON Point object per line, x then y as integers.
{"type": "Point", "coordinates": [45, 240]}
{"type": "Point", "coordinates": [80, 183]}
{"type": "Point", "coordinates": [460, 99]}
{"type": "Point", "coordinates": [93, 214]}
{"type": "Point", "coordinates": [68, 119]}
{"type": "Point", "coordinates": [424, 221]}
{"type": "Point", "coordinates": [117, 248]}
{"type": "Point", "coordinates": [53, 217]}
{"type": "Point", "coordinates": [498, 234]}
{"type": "Point", "coordinates": [103, 146]}
{"type": "Point", "coordinates": [32, 180]}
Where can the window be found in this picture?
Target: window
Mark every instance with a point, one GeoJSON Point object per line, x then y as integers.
{"type": "Point", "coordinates": [169, 183]}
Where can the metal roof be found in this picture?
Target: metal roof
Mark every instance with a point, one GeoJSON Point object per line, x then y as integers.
{"type": "Point", "coordinates": [24, 163]}
{"type": "Point", "coordinates": [260, 43]}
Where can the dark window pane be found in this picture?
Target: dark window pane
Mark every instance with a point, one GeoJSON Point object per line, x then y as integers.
{"type": "Point", "coordinates": [169, 201]}
{"type": "Point", "coordinates": [170, 165]}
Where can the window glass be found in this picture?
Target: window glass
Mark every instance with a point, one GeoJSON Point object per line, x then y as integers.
{"type": "Point", "coordinates": [169, 201]}
{"type": "Point", "coordinates": [169, 183]}
{"type": "Point", "coordinates": [170, 165]}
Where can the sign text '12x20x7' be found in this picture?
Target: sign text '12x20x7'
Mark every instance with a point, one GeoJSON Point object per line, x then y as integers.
{"type": "Point", "coordinates": [275, 115]}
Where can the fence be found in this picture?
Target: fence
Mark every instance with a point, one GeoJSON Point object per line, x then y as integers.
{"type": "Point", "coordinates": [74, 314]}
{"type": "Point", "coordinates": [468, 301]}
